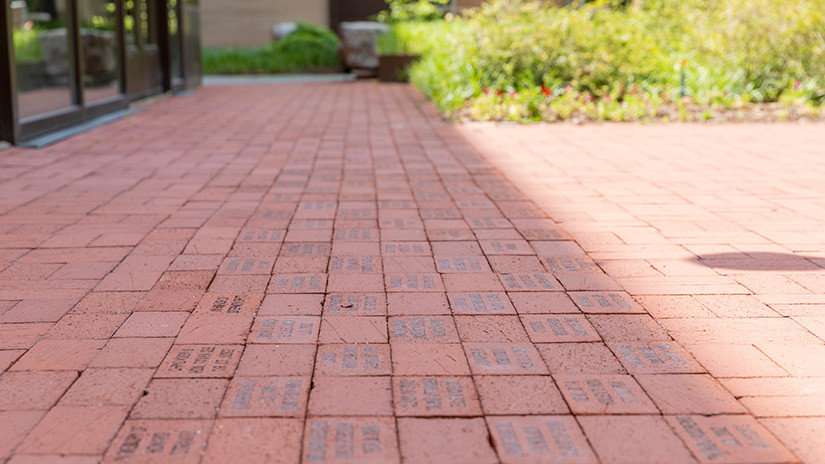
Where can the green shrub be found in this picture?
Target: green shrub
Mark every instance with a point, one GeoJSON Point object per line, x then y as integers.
{"type": "Point", "coordinates": [26, 46]}
{"type": "Point", "coordinates": [617, 63]}
{"type": "Point", "coordinates": [412, 10]}
{"type": "Point", "coordinates": [307, 49]}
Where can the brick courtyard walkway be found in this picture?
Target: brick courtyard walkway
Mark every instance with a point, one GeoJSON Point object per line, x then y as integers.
{"type": "Point", "coordinates": [329, 273]}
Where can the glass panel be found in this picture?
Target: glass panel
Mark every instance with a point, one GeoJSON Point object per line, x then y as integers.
{"type": "Point", "coordinates": [98, 39]}
{"type": "Point", "coordinates": [174, 39]}
{"type": "Point", "coordinates": [41, 54]}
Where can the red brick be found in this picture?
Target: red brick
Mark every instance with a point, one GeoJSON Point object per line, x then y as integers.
{"type": "Point", "coordinates": [109, 387]}
{"type": "Point", "coordinates": [239, 284]}
{"type": "Point", "coordinates": [556, 328]}
{"type": "Point", "coordinates": [634, 439]}
{"type": "Point", "coordinates": [297, 283]}
{"type": "Point", "coordinates": [231, 438]}
{"type": "Point", "coordinates": [280, 360]}
{"type": "Point", "coordinates": [180, 399]}
{"type": "Point", "coordinates": [504, 359]}
{"type": "Point", "coordinates": [75, 430]}
{"type": "Point", "coordinates": [462, 264]}
{"type": "Point", "coordinates": [285, 329]}
{"type": "Point", "coordinates": [730, 438]}
{"type": "Point", "coordinates": [409, 265]}
{"type": "Point", "coordinates": [477, 303]}
{"type": "Point", "coordinates": [435, 397]}
{"type": "Point", "coordinates": [428, 359]}
{"type": "Point", "coordinates": [529, 282]}
{"type": "Point", "coordinates": [266, 397]}
{"type": "Point", "coordinates": [33, 390]}
{"type": "Point", "coordinates": [355, 304]}
{"type": "Point", "coordinates": [351, 396]}
{"type": "Point", "coordinates": [580, 358]}
{"type": "Point", "coordinates": [542, 303]}
{"type": "Point", "coordinates": [199, 361]}
{"type": "Point", "coordinates": [689, 394]}
{"type": "Point", "coordinates": [472, 282]}
{"type": "Point", "coordinates": [152, 324]}
{"type": "Point", "coordinates": [604, 394]}
{"type": "Point", "coordinates": [53, 355]}
{"type": "Point", "coordinates": [343, 329]}
{"type": "Point", "coordinates": [417, 304]}
{"type": "Point", "coordinates": [605, 302]}
{"type": "Point", "coordinates": [368, 440]}
{"type": "Point", "coordinates": [291, 305]}
{"type": "Point", "coordinates": [655, 358]}
{"type": "Point", "coordinates": [628, 328]}
{"type": "Point", "coordinates": [179, 441]}
{"type": "Point", "coordinates": [132, 352]}
{"type": "Point", "coordinates": [519, 395]}
{"type": "Point", "coordinates": [14, 426]}
{"type": "Point", "coordinates": [413, 283]}
{"type": "Point", "coordinates": [353, 359]}
{"type": "Point", "coordinates": [539, 439]}
{"type": "Point", "coordinates": [350, 283]}
{"type": "Point", "coordinates": [490, 329]}
{"type": "Point", "coordinates": [433, 441]}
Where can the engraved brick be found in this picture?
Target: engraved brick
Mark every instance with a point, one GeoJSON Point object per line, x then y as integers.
{"type": "Point", "coordinates": [545, 234]}
{"type": "Point", "coordinates": [160, 441]}
{"type": "Point", "coordinates": [285, 329]}
{"type": "Point", "coordinates": [355, 264]}
{"type": "Point", "coordinates": [462, 264]}
{"type": "Point", "coordinates": [245, 266]}
{"type": "Point", "coordinates": [228, 303]}
{"type": "Point", "coordinates": [539, 439]}
{"type": "Point", "coordinates": [406, 249]}
{"type": "Point", "coordinates": [356, 304]}
{"type": "Point", "coordinates": [266, 397]}
{"type": "Point", "coordinates": [435, 396]}
{"type": "Point", "coordinates": [200, 361]}
{"type": "Point", "coordinates": [536, 281]}
{"type": "Point", "coordinates": [368, 440]}
{"type": "Point", "coordinates": [559, 328]}
{"type": "Point", "coordinates": [261, 235]}
{"type": "Point", "coordinates": [305, 249]}
{"type": "Point", "coordinates": [422, 329]}
{"type": "Point", "coordinates": [480, 303]}
{"type": "Point", "coordinates": [311, 224]}
{"type": "Point", "coordinates": [605, 302]}
{"type": "Point", "coordinates": [297, 283]}
{"type": "Point", "coordinates": [353, 359]}
{"type": "Point", "coordinates": [506, 247]}
{"type": "Point", "coordinates": [440, 213]}
{"type": "Point", "coordinates": [355, 235]}
{"type": "Point", "coordinates": [413, 283]}
{"type": "Point", "coordinates": [450, 234]}
{"type": "Point", "coordinates": [489, 223]}
{"type": "Point", "coordinates": [570, 264]}
{"type": "Point", "coordinates": [604, 394]}
{"type": "Point", "coordinates": [729, 438]}
{"type": "Point", "coordinates": [655, 358]}
{"type": "Point", "coordinates": [504, 359]}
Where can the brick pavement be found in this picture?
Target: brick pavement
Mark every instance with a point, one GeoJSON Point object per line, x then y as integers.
{"type": "Point", "coordinates": [329, 273]}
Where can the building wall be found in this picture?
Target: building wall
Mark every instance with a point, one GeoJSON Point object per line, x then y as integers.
{"type": "Point", "coordinates": [235, 23]}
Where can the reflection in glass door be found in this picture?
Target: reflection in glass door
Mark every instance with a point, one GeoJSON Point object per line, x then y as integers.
{"type": "Point", "coordinates": [42, 55]}
{"type": "Point", "coordinates": [144, 73]}
{"type": "Point", "coordinates": [99, 42]}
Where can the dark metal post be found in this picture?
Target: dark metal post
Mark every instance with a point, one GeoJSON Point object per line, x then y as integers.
{"type": "Point", "coordinates": [8, 79]}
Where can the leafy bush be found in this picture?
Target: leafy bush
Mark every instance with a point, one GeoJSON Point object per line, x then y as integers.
{"type": "Point", "coordinates": [26, 46]}
{"type": "Point", "coordinates": [307, 49]}
{"type": "Point", "coordinates": [517, 60]}
{"type": "Point", "coordinates": [412, 10]}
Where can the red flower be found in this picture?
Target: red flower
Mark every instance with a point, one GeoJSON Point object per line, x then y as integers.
{"type": "Point", "coordinates": [546, 91]}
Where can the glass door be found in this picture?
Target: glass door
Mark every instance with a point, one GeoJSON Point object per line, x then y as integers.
{"type": "Point", "coordinates": [144, 74]}
{"type": "Point", "coordinates": [43, 56]}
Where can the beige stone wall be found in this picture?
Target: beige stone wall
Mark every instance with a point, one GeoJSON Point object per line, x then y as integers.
{"type": "Point", "coordinates": [234, 23]}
